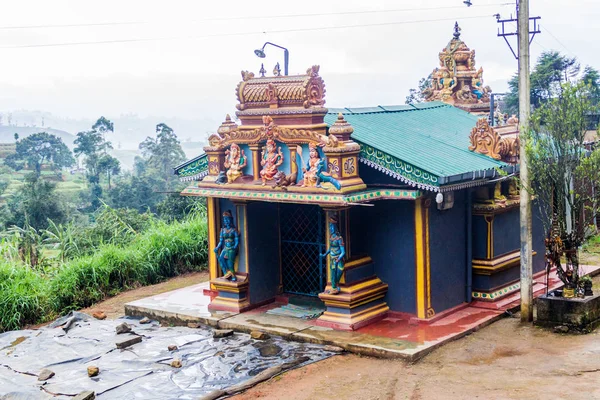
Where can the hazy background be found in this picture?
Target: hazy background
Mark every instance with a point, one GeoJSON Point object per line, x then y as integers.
{"type": "Point", "coordinates": [188, 79]}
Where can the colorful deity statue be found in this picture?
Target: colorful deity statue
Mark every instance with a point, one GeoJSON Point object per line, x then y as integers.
{"type": "Point", "coordinates": [448, 84]}
{"type": "Point", "coordinates": [312, 166]}
{"type": "Point", "coordinates": [336, 252]}
{"type": "Point", "coordinates": [235, 162]}
{"type": "Point", "coordinates": [229, 240]}
{"type": "Point", "coordinates": [272, 158]}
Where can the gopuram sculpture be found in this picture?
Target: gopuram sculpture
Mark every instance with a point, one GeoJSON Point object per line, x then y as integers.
{"type": "Point", "coordinates": [235, 161]}
{"type": "Point", "coordinates": [336, 252]}
{"type": "Point", "coordinates": [456, 81]}
{"type": "Point", "coordinates": [311, 170]}
{"type": "Point", "coordinates": [229, 239]}
{"type": "Point", "coordinates": [272, 158]}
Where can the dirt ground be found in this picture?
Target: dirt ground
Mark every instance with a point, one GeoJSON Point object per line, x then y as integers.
{"type": "Point", "coordinates": [506, 360]}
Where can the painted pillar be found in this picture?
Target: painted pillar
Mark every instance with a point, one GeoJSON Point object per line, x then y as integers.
{"type": "Point", "coordinates": [214, 226]}
{"type": "Point", "coordinates": [422, 259]}
{"type": "Point", "coordinates": [489, 219]}
{"type": "Point", "coordinates": [293, 160]}
{"type": "Point", "coordinates": [255, 148]}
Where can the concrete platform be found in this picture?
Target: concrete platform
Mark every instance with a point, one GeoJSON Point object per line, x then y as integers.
{"type": "Point", "coordinates": [396, 336]}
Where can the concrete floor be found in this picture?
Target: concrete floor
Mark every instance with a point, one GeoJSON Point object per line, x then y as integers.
{"type": "Point", "coordinates": [397, 336]}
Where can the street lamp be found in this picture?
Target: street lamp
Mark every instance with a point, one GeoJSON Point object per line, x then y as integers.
{"type": "Point", "coordinates": [286, 55]}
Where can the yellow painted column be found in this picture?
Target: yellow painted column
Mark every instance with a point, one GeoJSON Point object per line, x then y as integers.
{"type": "Point", "coordinates": [490, 236]}
{"type": "Point", "coordinates": [422, 259]}
{"type": "Point", "coordinates": [212, 207]}
{"type": "Point", "coordinates": [255, 148]}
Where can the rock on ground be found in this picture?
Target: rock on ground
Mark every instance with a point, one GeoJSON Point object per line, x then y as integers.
{"type": "Point", "coordinates": [123, 328]}
{"type": "Point", "coordinates": [127, 341]}
{"type": "Point", "coordinates": [258, 335]}
{"type": "Point", "coordinates": [172, 347]}
{"type": "Point", "coordinates": [333, 349]}
{"type": "Point", "coordinates": [176, 363]}
{"type": "Point", "coordinates": [221, 333]}
{"type": "Point", "coordinates": [87, 395]}
{"type": "Point", "coordinates": [145, 320]}
{"type": "Point", "coordinates": [45, 374]}
{"type": "Point", "coordinates": [99, 315]}
{"type": "Point", "coordinates": [194, 325]}
{"type": "Point", "coordinates": [93, 371]}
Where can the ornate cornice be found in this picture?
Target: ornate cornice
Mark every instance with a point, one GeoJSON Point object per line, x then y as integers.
{"type": "Point", "coordinates": [485, 140]}
{"type": "Point", "coordinates": [281, 91]}
{"type": "Point", "coordinates": [194, 169]}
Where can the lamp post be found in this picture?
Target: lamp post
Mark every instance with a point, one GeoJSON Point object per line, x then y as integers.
{"type": "Point", "coordinates": [286, 55]}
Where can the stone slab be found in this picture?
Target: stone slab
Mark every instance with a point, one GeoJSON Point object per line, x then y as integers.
{"type": "Point", "coordinates": [259, 320]}
{"type": "Point", "coordinates": [125, 341]}
{"type": "Point", "coordinates": [178, 307]}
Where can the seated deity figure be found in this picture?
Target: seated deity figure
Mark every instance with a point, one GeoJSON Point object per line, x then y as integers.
{"type": "Point", "coordinates": [448, 84]}
{"type": "Point", "coordinates": [229, 240]}
{"type": "Point", "coordinates": [311, 170]}
{"type": "Point", "coordinates": [272, 158]}
{"type": "Point", "coordinates": [336, 252]}
{"type": "Point", "coordinates": [235, 162]}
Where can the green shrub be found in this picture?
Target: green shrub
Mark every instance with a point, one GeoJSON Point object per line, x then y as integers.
{"type": "Point", "coordinates": [23, 296]}
{"type": "Point", "coordinates": [162, 251]}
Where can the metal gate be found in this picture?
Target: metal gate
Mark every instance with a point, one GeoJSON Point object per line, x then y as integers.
{"type": "Point", "coordinates": [302, 240]}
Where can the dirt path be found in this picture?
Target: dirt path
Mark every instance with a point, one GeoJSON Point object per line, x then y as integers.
{"type": "Point", "coordinates": [114, 307]}
{"type": "Point", "coordinates": [506, 360]}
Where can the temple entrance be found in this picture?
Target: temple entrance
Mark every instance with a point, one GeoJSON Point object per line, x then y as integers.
{"type": "Point", "coordinates": [302, 240]}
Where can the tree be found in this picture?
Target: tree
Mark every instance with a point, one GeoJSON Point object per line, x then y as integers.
{"type": "Point", "coordinates": [35, 203]}
{"type": "Point", "coordinates": [551, 71]}
{"type": "Point", "coordinates": [416, 95]}
{"type": "Point", "coordinates": [38, 149]}
{"type": "Point", "coordinates": [563, 174]}
{"type": "Point", "coordinates": [136, 192]}
{"type": "Point", "coordinates": [110, 166]}
{"type": "Point", "coordinates": [163, 153]}
{"type": "Point", "coordinates": [103, 126]}
{"type": "Point", "coordinates": [88, 144]}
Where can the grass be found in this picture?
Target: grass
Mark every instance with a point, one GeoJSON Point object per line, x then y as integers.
{"type": "Point", "coordinates": [164, 250]}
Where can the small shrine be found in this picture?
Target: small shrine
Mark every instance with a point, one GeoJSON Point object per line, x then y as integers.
{"type": "Point", "coordinates": [407, 210]}
{"type": "Point", "coordinates": [457, 80]}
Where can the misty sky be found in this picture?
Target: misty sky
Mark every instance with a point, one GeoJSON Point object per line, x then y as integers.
{"type": "Point", "coordinates": [194, 74]}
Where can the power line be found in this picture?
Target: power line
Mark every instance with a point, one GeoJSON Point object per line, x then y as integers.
{"type": "Point", "coordinates": [242, 17]}
{"type": "Point", "coordinates": [321, 28]}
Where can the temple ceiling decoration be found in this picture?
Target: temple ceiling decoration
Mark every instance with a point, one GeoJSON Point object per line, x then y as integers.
{"type": "Point", "coordinates": [457, 80]}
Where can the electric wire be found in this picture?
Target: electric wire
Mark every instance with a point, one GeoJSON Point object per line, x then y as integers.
{"type": "Point", "coordinates": [320, 28]}
{"type": "Point", "coordinates": [15, 27]}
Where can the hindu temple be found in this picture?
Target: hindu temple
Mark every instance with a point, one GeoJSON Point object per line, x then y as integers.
{"type": "Point", "coordinates": [407, 209]}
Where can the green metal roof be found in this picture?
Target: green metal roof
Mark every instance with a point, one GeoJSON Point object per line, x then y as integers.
{"type": "Point", "coordinates": [433, 137]}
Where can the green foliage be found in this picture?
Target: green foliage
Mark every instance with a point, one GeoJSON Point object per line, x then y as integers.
{"type": "Point", "coordinates": [34, 203]}
{"type": "Point", "coordinates": [137, 192]}
{"type": "Point", "coordinates": [563, 173]}
{"type": "Point", "coordinates": [23, 296]}
{"type": "Point", "coordinates": [162, 251]}
{"type": "Point", "coordinates": [416, 95]}
{"type": "Point", "coordinates": [163, 153]}
{"type": "Point", "coordinates": [177, 207]}
{"type": "Point", "coordinates": [552, 70]}
{"type": "Point", "coordinates": [38, 149]}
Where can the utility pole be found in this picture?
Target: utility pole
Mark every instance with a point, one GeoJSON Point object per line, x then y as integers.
{"type": "Point", "coordinates": [524, 39]}
{"type": "Point", "coordinates": [525, 197]}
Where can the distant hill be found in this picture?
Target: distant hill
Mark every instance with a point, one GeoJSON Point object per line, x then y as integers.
{"type": "Point", "coordinates": [7, 133]}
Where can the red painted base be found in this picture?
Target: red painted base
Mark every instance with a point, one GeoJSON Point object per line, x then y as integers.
{"type": "Point", "coordinates": [350, 327]}
{"type": "Point", "coordinates": [210, 293]}
{"type": "Point", "coordinates": [414, 320]}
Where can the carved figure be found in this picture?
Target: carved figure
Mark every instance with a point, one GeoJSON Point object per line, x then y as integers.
{"type": "Point", "coordinates": [235, 162]}
{"type": "Point", "coordinates": [324, 176]}
{"type": "Point", "coordinates": [272, 158]}
{"type": "Point", "coordinates": [310, 172]}
{"type": "Point", "coordinates": [336, 252]}
{"type": "Point", "coordinates": [448, 84]}
{"type": "Point", "coordinates": [283, 181]}
{"type": "Point", "coordinates": [221, 178]}
{"type": "Point", "coordinates": [465, 93]}
{"type": "Point", "coordinates": [229, 240]}
{"type": "Point", "coordinates": [513, 120]}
